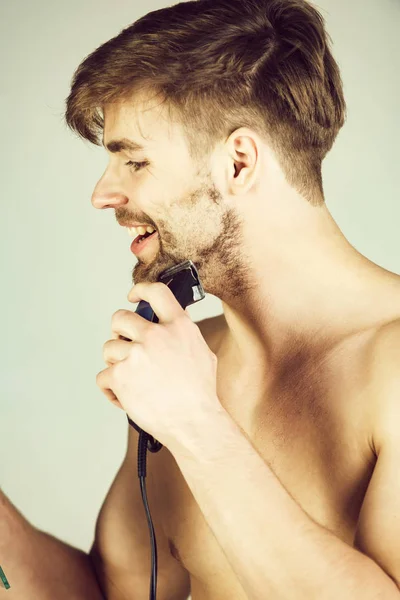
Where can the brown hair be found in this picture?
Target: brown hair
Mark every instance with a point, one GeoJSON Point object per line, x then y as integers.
{"type": "Point", "coordinates": [220, 65]}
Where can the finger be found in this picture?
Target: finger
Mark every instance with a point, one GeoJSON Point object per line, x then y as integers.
{"type": "Point", "coordinates": [160, 298]}
{"type": "Point", "coordinates": [116, 350]}
{"type": "Point", "coordinates": [117, 336]}
{"type": "Point", "coordinates": [112, 398]}
{"type": "Point", "coordinates": [128, 326]}
{"type": "Point", "coordinates": [102, 380]}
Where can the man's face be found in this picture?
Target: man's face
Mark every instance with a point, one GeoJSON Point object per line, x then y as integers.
{"type": "Point", "coordinates": [172, 194]}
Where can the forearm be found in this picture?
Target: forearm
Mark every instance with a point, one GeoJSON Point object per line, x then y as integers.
{"type": "Point", "coordinates": [38, 565]}
{"type": "Point", "coordinates": [274, 548]}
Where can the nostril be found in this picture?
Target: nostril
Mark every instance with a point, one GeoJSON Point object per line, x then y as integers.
{"type": "Point", "coordinates": [107, 202]}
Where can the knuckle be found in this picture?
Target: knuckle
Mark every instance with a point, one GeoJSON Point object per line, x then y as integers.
{"type": "Point", "coordinates": [106, 353]}
{"type": "Point", "coordinates": [118, 314]}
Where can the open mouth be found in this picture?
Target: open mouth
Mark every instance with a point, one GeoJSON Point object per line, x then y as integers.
{"type": "Point", "coordinates": [140, 238]}
{"type": "Point", "coordinates": [142, 241]}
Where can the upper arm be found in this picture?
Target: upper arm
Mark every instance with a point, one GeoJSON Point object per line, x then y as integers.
{"type": "Point", "coordinates": [121, 551]}
{"type": "Point", "coordinates": [378, 532]}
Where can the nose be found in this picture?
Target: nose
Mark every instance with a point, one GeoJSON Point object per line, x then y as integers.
{"type": "Point", "coordinates": [106, 196]}
{"type": "Point", "coordinates": [108, 200]}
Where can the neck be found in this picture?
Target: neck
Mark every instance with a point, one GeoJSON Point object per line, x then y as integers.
{"type": "Point", "coordinates": [311, 289]}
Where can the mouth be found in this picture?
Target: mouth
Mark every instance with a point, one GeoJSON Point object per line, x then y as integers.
{"type": "Point", "coordinates": [143, 241]}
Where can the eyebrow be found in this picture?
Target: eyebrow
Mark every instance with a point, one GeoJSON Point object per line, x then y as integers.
{"type": "Point", "coordinates": [116, 146]}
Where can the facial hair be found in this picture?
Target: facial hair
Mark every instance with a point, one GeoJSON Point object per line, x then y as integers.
{"type": "Point", "coordinates": [208, 233]}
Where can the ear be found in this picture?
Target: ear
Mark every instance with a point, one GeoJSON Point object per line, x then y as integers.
{"type": "Point", "coordinates": [244, 150]}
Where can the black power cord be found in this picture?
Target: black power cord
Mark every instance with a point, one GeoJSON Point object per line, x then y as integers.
{"type": "Point", "coordinates": [147, 442]}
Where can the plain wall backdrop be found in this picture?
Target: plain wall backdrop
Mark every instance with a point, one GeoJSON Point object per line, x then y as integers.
{"type": "Point", "coordinates": [65, 267]}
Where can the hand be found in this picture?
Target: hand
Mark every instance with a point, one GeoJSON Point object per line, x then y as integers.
{"type": "Point", "coordinates": [163, 375]}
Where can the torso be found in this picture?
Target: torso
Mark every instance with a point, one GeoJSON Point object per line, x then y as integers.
{"type": "Point", "coordinates": [314, 431]}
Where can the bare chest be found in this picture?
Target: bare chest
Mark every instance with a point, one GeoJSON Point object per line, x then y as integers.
{"type": "Point", "coordinates": [315, 446]}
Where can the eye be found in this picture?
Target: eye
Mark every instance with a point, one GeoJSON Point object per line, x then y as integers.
{"type": "Point", "coordinates": [136, 165]}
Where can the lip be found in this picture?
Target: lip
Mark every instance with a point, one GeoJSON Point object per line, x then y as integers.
{"type": "Point", "coordinates": [137, 248]}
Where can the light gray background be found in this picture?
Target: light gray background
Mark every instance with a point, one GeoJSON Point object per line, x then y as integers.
{"type": "Point", "coordinates": [65, 267]}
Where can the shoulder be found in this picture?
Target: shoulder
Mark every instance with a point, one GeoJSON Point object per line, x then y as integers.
{"type": "Point", "coordinates": [212, 330]}
{"type": "Point", "coordinates": [383, 372]}
{"type": "Point", "coordinates": [383, 353]}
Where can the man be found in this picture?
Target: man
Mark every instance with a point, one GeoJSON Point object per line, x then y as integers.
{"type": "Point", "coordinates": [280, 472]}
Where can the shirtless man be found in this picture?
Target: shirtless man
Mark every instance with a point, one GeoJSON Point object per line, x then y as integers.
{"type": "Point", "coordinates": [294, 493]}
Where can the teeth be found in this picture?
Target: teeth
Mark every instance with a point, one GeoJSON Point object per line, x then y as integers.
{"type": "Point", "coordinates": [135, 231]}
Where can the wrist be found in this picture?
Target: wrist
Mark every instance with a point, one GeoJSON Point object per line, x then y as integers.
{"type": "Point", "coordinates": [204, 433]}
